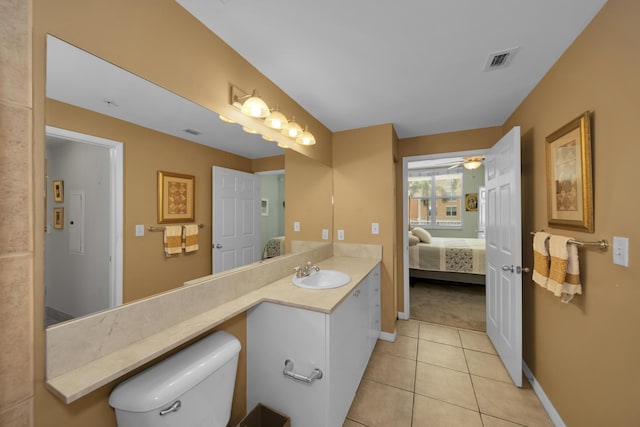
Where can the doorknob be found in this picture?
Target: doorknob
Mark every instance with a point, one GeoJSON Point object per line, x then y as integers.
{"type": "Point", "coordinates": [508, 268]}
{"type": "Point", "coordinates": [523, 270]}
{"type": "Point", "coordinates": [217, 246]}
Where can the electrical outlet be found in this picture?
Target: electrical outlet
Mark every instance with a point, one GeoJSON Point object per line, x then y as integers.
{"type": "Point", "coordinates": [621, 251]}
{"type": "Point", "coordinates": [340, 234]}
{"type": "Point", "coordinates": [325, 234]}
{"type": "Point", "coordinates": [375, 228]}
{"type": "Point", "coordinates": [296, 226]}
{"type": "Point", "coordinates": [139, 230]}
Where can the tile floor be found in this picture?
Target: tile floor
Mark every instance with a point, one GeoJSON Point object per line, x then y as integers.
{"type": "Point", "coordinates": [441, 376]}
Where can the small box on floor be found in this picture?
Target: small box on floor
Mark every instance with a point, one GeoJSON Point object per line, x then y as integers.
{"type": "Point", "coordinates": [263, 416]}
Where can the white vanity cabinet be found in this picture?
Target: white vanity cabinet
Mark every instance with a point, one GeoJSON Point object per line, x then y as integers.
{"type": "Point", "coordinates": [339, 344]}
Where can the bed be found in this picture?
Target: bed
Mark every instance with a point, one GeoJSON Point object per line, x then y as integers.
{"type": "Point", "coordinates": [450, 259]}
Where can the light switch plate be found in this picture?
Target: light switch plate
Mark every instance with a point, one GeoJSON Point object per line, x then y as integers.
{"type": "Point", "coordinates": [621, 251]}
{"type": "Point", "coordinates": [139, 230]}
{"type": "Point", "coordinates": [325, 234]}
{"type": "Point", "coordinates": [375, 228]}
{"type": "Point", "coordinates": [340, 234]}
{"type": "Point", "coordinates": [296, 226]}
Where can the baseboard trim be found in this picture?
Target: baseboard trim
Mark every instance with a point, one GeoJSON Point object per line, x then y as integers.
{"type": "Point", "coordinates": [403, 315]}
{"type": "Point", "coordinates": [546, 402]}
{"type": "Point", "coordinates": [388, 336]}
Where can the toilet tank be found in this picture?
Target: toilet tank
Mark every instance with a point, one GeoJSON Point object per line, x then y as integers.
{"type": "Point", "coordinates": [193, 387]}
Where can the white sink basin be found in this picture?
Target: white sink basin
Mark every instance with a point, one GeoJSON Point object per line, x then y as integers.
{"type": "Point", "coordinates": [323, 279]}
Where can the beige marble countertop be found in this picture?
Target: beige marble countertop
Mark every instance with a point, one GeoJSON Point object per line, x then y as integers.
{"type": "Point", "coordinates": [78, 382]}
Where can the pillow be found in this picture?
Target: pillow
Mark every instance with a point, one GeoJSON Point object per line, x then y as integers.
{"type": "Point", "coordinates": [413, 240]}
{"type": "Point", "coordinates": [422, 234]}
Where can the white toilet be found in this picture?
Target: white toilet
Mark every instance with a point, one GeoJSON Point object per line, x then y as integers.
{"type": "Point", "coordinates": [193, 387]}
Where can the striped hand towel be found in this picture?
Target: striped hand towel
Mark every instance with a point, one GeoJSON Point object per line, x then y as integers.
{"type": "Point", "coordinates": [564, 277]}
{"type": "Point", "coordinates": [541, 258]}
{"type": "Point", "coordinates": [172, 240]}
{"type": "Point", "coordinates": [190, 237]}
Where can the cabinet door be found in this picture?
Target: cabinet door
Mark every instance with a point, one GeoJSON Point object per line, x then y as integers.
{"type": "Point", "coordinates": [276, 333]}
{"type": "Point", "coordinates": [348, 352]}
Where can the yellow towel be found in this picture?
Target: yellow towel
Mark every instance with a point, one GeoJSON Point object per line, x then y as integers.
{"type": "Point", "coordinates": [172, 240]}
{"type": "Point", "coordinates": [564, 276]}
{"type": "Point", "coordinates": [541, 258]}
{"type": "Point", "coordinates": [190, 237]}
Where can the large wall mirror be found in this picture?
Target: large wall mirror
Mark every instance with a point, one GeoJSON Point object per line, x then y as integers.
{"type": "Point", "coordinates": [98, 114]}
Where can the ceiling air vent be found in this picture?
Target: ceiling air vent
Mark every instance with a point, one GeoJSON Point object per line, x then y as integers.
{"type": "Point", "coordinates": [192, 131]}
{"type": "Point", "coordinates": [498, 60]}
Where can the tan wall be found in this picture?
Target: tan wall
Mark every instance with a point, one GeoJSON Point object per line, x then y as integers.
{"type": "Point", "coordinates": [364, 192]}
{"type": "Point", "coordinates": [272, 163]}
{"type": "Point", "coordinates": [585, 354]}
{"type": "Point", "coordinates": [16, 219]}
{"type": "Point", "coordinates": [465, 140]}
{"type": "Point", "coordinates": [308, 191]}
{"type": "Point", "coordinates": [450, 142]}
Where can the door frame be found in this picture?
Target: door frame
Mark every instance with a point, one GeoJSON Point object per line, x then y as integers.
{"type": "Point", "coordinates": [116, 169]}
{"type": "Point", "coordinates": [405, 315]}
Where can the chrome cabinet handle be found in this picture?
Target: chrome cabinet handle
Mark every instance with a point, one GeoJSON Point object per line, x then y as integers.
{"type": "Point", "coordinates": [316, 374]}
{"type": "Point", "coordinates": [175, 407]}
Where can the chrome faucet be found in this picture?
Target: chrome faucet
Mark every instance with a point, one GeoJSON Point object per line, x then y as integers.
{"type": "Point", "coordinates": [305, 270]}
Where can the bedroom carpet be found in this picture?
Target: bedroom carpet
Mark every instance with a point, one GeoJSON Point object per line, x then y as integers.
{"type": "Point", "coordinates": [457, 305]}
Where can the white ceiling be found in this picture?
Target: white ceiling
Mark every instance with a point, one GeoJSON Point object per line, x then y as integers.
{"type": "Point", "coordinates": [415, 63]}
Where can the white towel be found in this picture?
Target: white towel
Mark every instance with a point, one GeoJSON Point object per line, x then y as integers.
{"type": "Point", "coordinates": [172, 239]}
{"type": "Point", "coordinates": [541, 258]}
{"type": "Point", "coordinates": [564, 275]}
{"type": "Point", "coordinates": [190, 237]}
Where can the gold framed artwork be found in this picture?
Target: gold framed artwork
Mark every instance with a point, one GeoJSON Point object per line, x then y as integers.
{"type": "Point", "coordinates": [471, 202]}
{"type": "Point", "coordinates": [569, 176]}
{"type": "Point", "coordinates": [176, 197]}
{"type": "Point", "coordinates": [58, 218]}
{"type": "Point", "coordinates": [58, 190]}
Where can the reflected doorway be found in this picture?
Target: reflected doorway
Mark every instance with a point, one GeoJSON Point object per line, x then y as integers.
{"type": "Point", "coordinates": [83, 232]}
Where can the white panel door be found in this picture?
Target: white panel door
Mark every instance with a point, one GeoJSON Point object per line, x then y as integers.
{"type": "Point", "coordinates": [236, 219]}
{"type": "Point", "coordinates": [504, 252]}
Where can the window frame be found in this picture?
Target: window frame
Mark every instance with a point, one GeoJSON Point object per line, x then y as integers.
{"type": "Point", "coordinates": [432, 220]}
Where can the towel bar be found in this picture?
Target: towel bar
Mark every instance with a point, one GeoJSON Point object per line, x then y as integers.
{"type": "Point", "coordinates": [152, 228]}
{"type": "Point", "coordinates": [603, 244]}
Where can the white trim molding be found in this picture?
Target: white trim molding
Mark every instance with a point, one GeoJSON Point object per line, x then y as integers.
{"type": "Point", "coordinates": [546, 403]}
{"type": "Point", "coordinates": [388, 336]}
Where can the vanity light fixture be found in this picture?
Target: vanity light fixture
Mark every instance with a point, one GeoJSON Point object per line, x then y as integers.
{"type": "Point", "coordinates": [276, 120]}
{"type": "Point", "coordinates": [250, 105]}
{"type": "Point", "coordinates": [249, 130]}
{"type": "Point", "coordinates": [255, 107]}
{"type": "Point", "coordinates": [283, 144]}
{"type": "Point", "coordinates": [268, 138]}
{"type": "Point", "coordinates": [306, 138]}
{"type": "Point", "coordinates": [293, 130]}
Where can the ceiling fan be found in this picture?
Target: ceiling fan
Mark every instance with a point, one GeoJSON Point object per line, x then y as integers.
{"type": "Point", "coordinates": [470, 163]}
